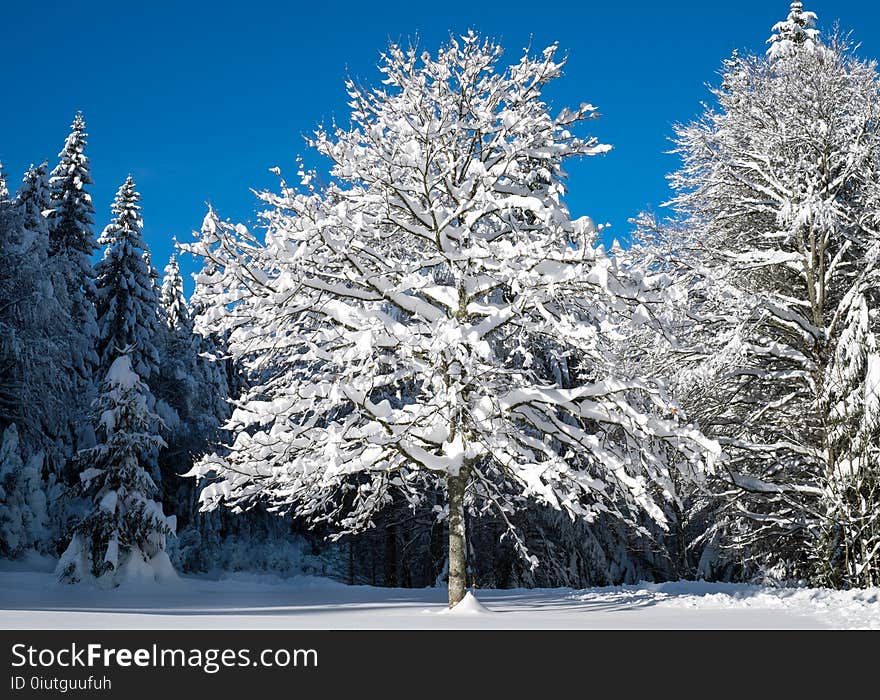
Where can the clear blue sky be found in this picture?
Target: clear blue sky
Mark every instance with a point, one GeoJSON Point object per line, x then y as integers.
{"type": "Point", "coordinates": [199, 99]}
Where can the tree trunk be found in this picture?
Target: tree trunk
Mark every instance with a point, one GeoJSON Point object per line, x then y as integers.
{"type": "Point", "coordinates": [455, 488]}
{"type": "Point", "coordinates": [391, 556]}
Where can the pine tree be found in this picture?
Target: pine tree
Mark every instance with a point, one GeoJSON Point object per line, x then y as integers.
{"type": "Point", "coordinates": [796, 33]}
{"type": "Point", "coordinates": [125, 298]}
{"type": "Point", "coordinates": [34, 202]}
{"type": "Point", "coordinates": [73, 211]}
{"type": "Point", "coordinates": [220, 374]}
{"type": "Point", "coordinates": [71, 237]}
{"type": "Point", "coordinates": [71, 246]}
{"type": "Point", "coordinates": [177, 384]}
{"type": "Point", "coordinates": [123, 536]}
{"type": "Point", "coordinates": [178, 388]}
{"type": "Point", "coordinates": [16, 306]}
{"type": "Point", "coordinates": [174, 306]}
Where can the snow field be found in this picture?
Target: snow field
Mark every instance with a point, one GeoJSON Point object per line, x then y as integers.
{"type": "Point", "coordinates": [31, 599]}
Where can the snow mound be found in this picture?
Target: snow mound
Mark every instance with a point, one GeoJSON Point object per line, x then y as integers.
{"type": "Point", "coordinates": [469, 605]}
{"type": "Point", "coordinates": [137, 571]}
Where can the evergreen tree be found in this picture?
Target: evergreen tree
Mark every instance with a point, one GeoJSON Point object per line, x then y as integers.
{"type": "Point", "coordinates": [71, 236]}
{"type": "Point", "coordinates": [73, 212]}
{"type": "Point", "coordinates": [125, 298]}
{"type": "Point", "coordinates": [41, 325]}
{"type": "Point", "coordinates": [796, 33]}
{"type": "Point", "coordinates": [34, 201]}
{"type": "Point", "coordinates": [220, 374]}
{"type": "Point", "coordinates": [71, 246]}
{"type": "Point", "coordinates": [174, 307]}
{"type": "Point", "coordinates": [177, 384]}
{"type": "Point", "coordinates": [123, 536]}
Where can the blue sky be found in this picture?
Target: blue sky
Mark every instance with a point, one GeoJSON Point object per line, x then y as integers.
{"type": "Point", "coordinates": [198, 100]}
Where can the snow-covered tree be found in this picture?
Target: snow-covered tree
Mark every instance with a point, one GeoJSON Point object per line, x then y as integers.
{"type": "Point", "coordinates": [126, 298]}
{"type": "Point", "coordinates": [34, 389]}
{"type": "Point", "coordinates": [34, 201]}
{"type": "Point", "coordinates": [174, 308]}
{"type": "Point", "coordinates": [851, 498]}
{"type": "Point", "coordinates": [22, 497]}
{"type": "Point", "coordinates": [177, 385]}
{"type": "Point", "coordinates": [72, 244]}
{"type": "Point", "coordinates": [797, 32]}
{"type": "Point", "coordinates": [775, 250]}
{"type": "Point", "coordinates": [70, 270]}
{"type": "Point", "coordinates": [389, 320]}
{"type": "Point", "coordinates": [37, 395]}
{"type": "Point", "coordinates": [122, 538]}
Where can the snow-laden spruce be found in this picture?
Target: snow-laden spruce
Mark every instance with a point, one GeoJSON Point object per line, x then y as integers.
{"type": "Point", "coordinates": [390, 319]}
{"type": "Point", "coordinates": [174, 309]}
{"type": "Point", "coordinates": [72, 244]}
{"type": "Point", "coordinates": [126, 298]}
{"type": "Point", "coordinates": [777, 246]}
{"type": "Point", "coordinates": [797, 32]}
{"type": "Point", "coordinates": [122, 538]}
{"type": "Point", "coordinates": [177, 384]}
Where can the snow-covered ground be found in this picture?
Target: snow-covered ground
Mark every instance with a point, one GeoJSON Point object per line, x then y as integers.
{"type": "Point", "coordinates": [30, 599]}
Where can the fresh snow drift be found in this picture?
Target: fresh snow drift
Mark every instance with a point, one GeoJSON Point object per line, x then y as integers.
{"type": "Point", "coordinates": [469, 605]}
